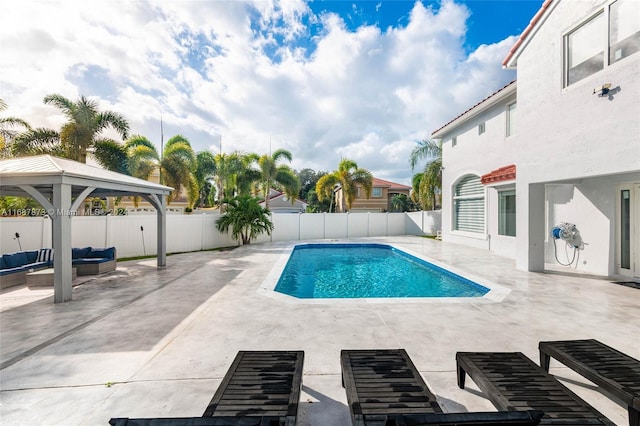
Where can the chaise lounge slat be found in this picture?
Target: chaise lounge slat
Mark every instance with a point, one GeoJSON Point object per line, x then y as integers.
{"type": "Point", "coordinates": [616, 373]}
{"type": "Point", "coordinates": [260, 383]}
{"type": "Point", "coordinates": [511, 381]}
{"type": "Point", "coordinates": [384, 388]}
{"type": "Point", "coordinates": [261, 388]}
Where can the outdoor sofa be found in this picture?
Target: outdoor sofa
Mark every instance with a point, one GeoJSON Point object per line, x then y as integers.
{"type": "Point", "coordinates": [93, 261]}
{"type": "Point", "coordinates": [14, 267]}
{"type": "Point", "coordinates": [261, 388]}
{"type": "Point", "coordinates": [384, 388]}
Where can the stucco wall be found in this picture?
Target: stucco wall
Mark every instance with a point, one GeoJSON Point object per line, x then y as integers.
{"type": "Point", "coordinates": [569, 132]}
{"type": "Point", "coordinates": [477, 154]}
{"type": "Point", "coordinates": [571, 136]}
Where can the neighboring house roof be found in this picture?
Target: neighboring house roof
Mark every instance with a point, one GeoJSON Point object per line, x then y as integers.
{"type": "Point", "coordinates": [275, 196]}
{"type": "Point", "coordinates": [499, 175]}
{"type": "Point", "coordinates": [511, 60]}
{"type": "Point", "coordinates": [378, 183]}
{"type": "Point", "coordinates": [477, 108]}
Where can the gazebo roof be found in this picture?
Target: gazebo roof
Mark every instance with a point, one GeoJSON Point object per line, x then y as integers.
{"type": "Point", "coordinates": [43, 171]}
{"type": "Point", "coordinates": [60, 185]}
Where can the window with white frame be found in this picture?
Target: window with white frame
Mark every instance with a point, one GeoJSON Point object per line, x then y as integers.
{"type": "Point", "coordinates": [481, 128]}
{"type": "Point", "coordinates": [507, 213]}
{"type": "Point", "coordinates": [624, 29]}
{"type": "Point", "coordinates": [454, 141]}
{"type": "Point", "coordinates": [616, 27]}
{"type": "Point", "coordinates": [468, 205]}
{"type": "Point", "coordinates": [511, 119]}
{"type": "Point", "coordinates": [376, 192]}
{"type": "Point", "coordinates": [584, 50]}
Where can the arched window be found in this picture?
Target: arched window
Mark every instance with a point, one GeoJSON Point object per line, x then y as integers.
{"type": "Point", "coordinates": [468, 205]}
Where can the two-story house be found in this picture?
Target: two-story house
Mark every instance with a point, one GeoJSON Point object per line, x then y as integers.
{"type": "Point", "coordinates": [382, 192]}
{"type": "Point", "coordinates": [560, 147]}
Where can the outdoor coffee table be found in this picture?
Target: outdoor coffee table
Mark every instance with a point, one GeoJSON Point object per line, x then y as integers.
{"type": "Point", "coordinates": [44, 277]}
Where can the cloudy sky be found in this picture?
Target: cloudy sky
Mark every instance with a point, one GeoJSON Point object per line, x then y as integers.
{"type": "Point", "coordinates": [326, 80]}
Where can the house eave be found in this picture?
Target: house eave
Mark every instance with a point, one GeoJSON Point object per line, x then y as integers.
{"type": "Point", "coordinates": [489, 102]}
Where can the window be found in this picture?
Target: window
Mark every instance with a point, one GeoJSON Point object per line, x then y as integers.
{"type": "Point", "coordinates": [625, 229]}
{"type": "Point", "coordinates": [584, 46]}
{"type": "Point", "coordinates": [507, 213]}
{"type": "Point", "coordinates": [454, 141]}
{"type": "Point", "coordinates": [468, 205]}
{"type": "Point", "coordinates": [376, 192]}
{"type": "Point", "coordinates": [481, 128]}
{"type": "Point", "coordinates": [624, 29]}
{"type": "Point", "coordinates": [584, 53]}
{"type": "Point", "coordinates": [511, 119]}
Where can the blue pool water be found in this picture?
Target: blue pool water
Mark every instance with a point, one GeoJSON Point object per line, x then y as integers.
{"type": "Point", "coordinates": [317, 271]}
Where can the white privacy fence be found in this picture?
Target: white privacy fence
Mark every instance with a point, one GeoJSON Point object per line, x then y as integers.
{"type": "Point", "coordinates": [136, 235]}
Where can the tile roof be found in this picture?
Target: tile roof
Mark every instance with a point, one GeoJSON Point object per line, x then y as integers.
{"type": "Point", "coordinates": [532, 24]}
{"type": "Point", "coordinates": [388, 184]}
{"type": "Point", "coordinates": [499, 175]}
{"type": "Point", "coordinates": [477, 105]}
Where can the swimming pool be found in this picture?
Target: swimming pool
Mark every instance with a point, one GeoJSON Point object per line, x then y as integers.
{"type": "Point", "coordinates": [319, 271]}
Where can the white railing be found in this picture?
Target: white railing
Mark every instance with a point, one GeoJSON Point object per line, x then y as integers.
{"type": "Point", "coordinates": [136, 235]}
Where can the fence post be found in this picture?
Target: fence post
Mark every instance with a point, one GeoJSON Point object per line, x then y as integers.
{"type": "Point", "coordinates": [347, 225]}
{"type": "Point", "coordinates": [324, 225]}
{"type": "Point", "coordinates": [368, 224]}
{"type": "Point", "coordinates": [386, 225]}
{"type": "Point", "coordinates": [106, 229]}
{"type": "Point", "coordinates": [202, 231]}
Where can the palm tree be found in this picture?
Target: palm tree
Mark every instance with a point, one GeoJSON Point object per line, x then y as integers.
{"type": "Point", "coordinates": [347, 177]}
{"type": "Point", "coordinates": [37, 141]}
{"type": "Point", "coordinates": [142, 160]}
{"type": "Point", "coordinates": [228, 166]}
{"type": "Point", "coordinates": [178, 160]}
{"type": "Point", "coordinates": [430, 185]}
{"type": "Point", "coordinates": [246, 218]}
{"type": "Point", "coordinates": [175, 168]}
{"type": "Point", "coordinates": [399, 203]}
{"type": "Point", "coordinates": [246, 177]}
{"type": "Point", "coordinates": [204, 172]}
{"type": "Point", "coordinates": [8, 132]}
{"type": "Point", "coordinates": [273, 173]}
{"type": "Point", "coordinates": [85, 124]}
{"type": "Point", "coordinates": [112, 156]}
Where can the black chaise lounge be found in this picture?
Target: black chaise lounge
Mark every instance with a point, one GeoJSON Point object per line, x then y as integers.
{"type": "Point", "coordinates": [616, 373]}
{"type": "Point", "coordinates": [384, 388]}
{"type": "Point", "coordinates": [261, 388]}
{"type": "Point", "coordinates": [511, 381]}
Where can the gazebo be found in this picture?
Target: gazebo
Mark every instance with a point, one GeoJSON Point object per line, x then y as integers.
{"type": "Point", "coordinates": [60, 186]}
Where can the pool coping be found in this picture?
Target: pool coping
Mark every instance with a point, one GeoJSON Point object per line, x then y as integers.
{"type": "Point", "coordinates": [497, 293]}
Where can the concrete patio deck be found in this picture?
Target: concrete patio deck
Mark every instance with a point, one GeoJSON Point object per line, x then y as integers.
{"type": "Point", "coordinates": [148, 342]}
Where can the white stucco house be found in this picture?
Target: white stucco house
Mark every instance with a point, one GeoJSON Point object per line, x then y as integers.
{"type": "Point", "coordinates": [560, 145]}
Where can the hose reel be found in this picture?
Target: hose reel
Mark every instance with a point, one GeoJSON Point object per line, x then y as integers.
{"type": "Point", "coordinates": [567, 232]}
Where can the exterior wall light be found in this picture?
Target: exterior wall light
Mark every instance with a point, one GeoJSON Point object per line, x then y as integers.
{"type": "Point", "coordinates": [602, 91]}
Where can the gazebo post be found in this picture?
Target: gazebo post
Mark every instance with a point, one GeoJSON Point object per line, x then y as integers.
{"type": "Point", "coordinates": [162, 231]}
{"type": "Point", "coordinates": [61, 224]}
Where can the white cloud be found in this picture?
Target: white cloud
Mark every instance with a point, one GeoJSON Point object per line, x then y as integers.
{"type": "Point", "coordinates": [242, 71]}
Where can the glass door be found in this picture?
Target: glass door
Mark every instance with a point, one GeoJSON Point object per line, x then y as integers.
{"type": "Point", "coordinates": [628, 246]}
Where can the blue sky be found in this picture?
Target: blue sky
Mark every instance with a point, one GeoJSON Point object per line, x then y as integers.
{"type": "Point", "coordinates": [326, 80]}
